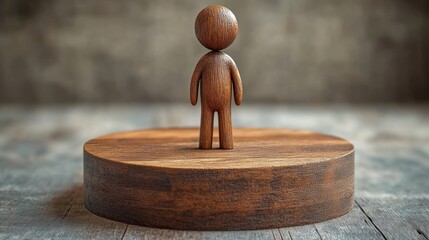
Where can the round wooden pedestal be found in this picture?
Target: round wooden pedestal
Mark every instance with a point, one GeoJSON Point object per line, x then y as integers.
{"type": "Point", "coordinates": [272, 178]}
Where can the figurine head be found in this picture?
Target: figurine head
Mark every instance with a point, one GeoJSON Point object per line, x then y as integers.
{"type": "Point", "coordinates": [216, 27]}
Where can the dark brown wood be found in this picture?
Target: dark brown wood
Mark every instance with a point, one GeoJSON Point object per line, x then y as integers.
{"type": "Point", "coordinates": [217, 74]}
{"type": "Point", "coordinates": [216, 27]}
{"type": "Point", "coordinates": [273, 178]}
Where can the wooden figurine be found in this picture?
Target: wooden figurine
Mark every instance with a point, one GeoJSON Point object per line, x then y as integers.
{"type": "Point", "coordinates": [276, 178]}
{"type": "Point", "coordinates": [216, 73]}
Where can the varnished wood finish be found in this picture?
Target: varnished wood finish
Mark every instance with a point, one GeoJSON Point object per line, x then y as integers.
{"type": "Point", "coordinates": [216, 27]}
{"type": "Point", "coordinates": [216, 74]}
{"type": "Point", "coordinates": [273, 178]}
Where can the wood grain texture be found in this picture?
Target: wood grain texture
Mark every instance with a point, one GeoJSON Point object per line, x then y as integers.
{"type": "Point", "coordinates": [216, 27]}
{"type": "Point", "coordinates": [273, 178]}
{"type": "Point", "coordinates": [216, 74]}
{"type": "Point", "coordinates": [41, 172]}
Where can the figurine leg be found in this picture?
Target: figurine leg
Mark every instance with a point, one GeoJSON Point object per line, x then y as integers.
{"type": "Point", "coordinates": [225, 129]}
{"type": "Point", "coordinates": [206, 128]}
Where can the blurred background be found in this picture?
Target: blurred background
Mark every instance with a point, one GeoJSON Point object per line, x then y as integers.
{"type": "Point", "coordinates": [347, 51]}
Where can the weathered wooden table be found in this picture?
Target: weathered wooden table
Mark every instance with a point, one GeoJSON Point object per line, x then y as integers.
{"type": "Point", "coordinates": [41, 169]}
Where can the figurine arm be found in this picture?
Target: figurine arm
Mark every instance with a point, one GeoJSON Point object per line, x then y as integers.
{"type": "Point", "coordinates": [195, 82]}
{"type": "Point", "coordinates": [236, 80]}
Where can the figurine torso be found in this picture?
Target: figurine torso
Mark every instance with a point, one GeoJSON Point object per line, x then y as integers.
{"type": "Point", "coordinates": [216, 83]}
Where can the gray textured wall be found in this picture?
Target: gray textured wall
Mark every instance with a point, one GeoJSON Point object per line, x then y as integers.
{"type": "Point", "coordinates": [291, 50]}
